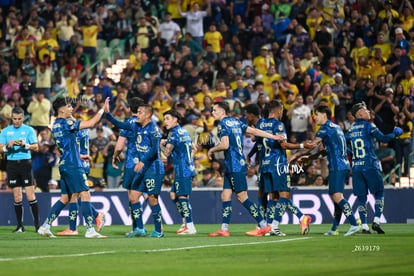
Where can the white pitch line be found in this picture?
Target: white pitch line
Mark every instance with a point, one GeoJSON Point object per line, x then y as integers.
{"type": "Point", "coordinates": [221, 245]}
{"type": "Point", "coordinates": [147, 251]}
{"type": "Point", "coordinates": [55, 256]}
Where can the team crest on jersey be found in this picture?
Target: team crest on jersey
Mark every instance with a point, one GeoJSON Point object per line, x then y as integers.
{"type": "Point", "coordinates": [70, 122]}
{"type": "Point", "coordinates": [139, 139]}
{"type": "Point", "coordinates": [280, 127]}
{"type": "Point", "coordinates": [331, 124]}
{"type": "Point", "coordinates": [181, 131]}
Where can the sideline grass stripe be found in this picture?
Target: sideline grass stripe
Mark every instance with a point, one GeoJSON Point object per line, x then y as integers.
{"type": "Point", "coordinates": [146, 251]}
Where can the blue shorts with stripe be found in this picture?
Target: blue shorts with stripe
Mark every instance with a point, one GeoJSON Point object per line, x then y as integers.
{"type": "Point", "coordinates": [182, 186]}
{"type": "Point", "coordinates": [235, 181]}
{"type": "Point", "coordinates": [368, 180]}
{"type": "Point", "coordinates": [128, 178]}
{"type": "Point", "coordinates": [272, 182]}
{"type": "Point", "coordinates": [73, 180]}
{"type": "Point", "coordinates": [337, 181]}
{"type": "Point", "coordinates": [147, 182]}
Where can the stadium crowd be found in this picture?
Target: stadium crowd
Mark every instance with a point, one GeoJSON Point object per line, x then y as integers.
{"type": "Point", "coordinates": [185, 55]}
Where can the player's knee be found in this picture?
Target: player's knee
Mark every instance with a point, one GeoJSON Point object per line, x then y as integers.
{"type": "Point", "coordinates": [242, 197]}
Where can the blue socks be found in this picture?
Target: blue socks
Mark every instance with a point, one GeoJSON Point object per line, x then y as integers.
{"type": "Point", "coordinates": [86, 207]}
{"type": "Point", "coordinates": [55, 211]}
{"type": "Point", "coordinates": [270, 211]}
{"type": "Point", "coordinates": [157, 217]}
{"type": "Point", "coordinates": [362, 209]}
{"type": "Point", "coordinates": [347, 210]}
{"type": "Point", "coordinates": [280, 209]}
{"type": "Point", "coordinates": [337, 217]}
{"type": "Point", "coordinates": [186, 210]}
{"type": "Point", "coordinates": [379, 204]}
{"type": "Point", "coordinates": [136, 215]}
{"type": "Point", "coordinates": [226, 212]}
{"type": "Point", "coordinates": [294, 209]}
{"type": "Point", "coordinates": [73, 215]}
{"type": "Point", "coordinates": [253, 210]}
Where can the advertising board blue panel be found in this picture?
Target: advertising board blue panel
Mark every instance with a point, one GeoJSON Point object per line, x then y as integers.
{"type": "Point", "coordinates": [206, 205]}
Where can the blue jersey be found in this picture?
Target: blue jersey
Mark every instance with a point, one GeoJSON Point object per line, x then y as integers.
{"type": "Point", "coordinates": [234, 159]}
{"type": "Point", "coordinates": [64, 132]}
{"type": "Point", "coordinates": [272, 155]}
{"type": "Point", "coordinates": [25, 133]}
{"type": "Point", "coordinates": [361, 138]}
{"type": "Point", "coordinates": [131, 149]}
{"type": "Point", "coordinates": [334, 142]}
{"type": "Point", "coordinates": [182, 154]}
{"type": "Point", "coordinates": [147, 144]}
{"type": "Point", "coordinates": [83, 141]}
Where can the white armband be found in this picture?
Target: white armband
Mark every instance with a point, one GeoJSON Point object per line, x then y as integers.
{"type": "Point", "coordinates": [101, 112]}
{"type": "Point", "coordinates": [27, 146]}
{"type": "Point", "coordinates": [301, 146]}
{"type": "Point", "coordinates": [5, 148]}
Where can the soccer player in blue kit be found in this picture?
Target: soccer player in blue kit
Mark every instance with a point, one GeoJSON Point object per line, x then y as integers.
{"type": "Point", "coordinates": [73, 177]}
{"type": "Point", "coordinates": [334, 142]}
{"type": "Point", "coordinates": [230, 133]}
{"type": "Point", "coordinates": [129, 137]}
{"type": "Point", "coordinates": [274, 171]}
{"type": "Point", "coordinates": [178, 147]}
{"type": "Point", "coordinates": [149, 168]}
{"type": "Point", "coordinates": [366, 172]}
{"type": "Point", "coordinates": [83, 142]}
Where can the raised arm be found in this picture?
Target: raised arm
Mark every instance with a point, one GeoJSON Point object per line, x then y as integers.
{"type": "Point", "coordinates": [264, 134]}
{"type": "Point", "coordinates": [118, 124]}
{"type": "Point", "coordinates": [95, 119]}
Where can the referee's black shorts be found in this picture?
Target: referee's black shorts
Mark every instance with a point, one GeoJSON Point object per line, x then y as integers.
{"type": "Point", "coordinates": [19, 173]}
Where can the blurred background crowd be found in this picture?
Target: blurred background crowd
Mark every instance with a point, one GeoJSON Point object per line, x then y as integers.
{"type": "Point", "coordinates": [187, 54]}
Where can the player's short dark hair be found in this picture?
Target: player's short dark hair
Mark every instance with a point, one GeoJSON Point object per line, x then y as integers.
{"type": "Point", "coordinates": [224, 105]}
{"type": "Point", "coordinates": [17, 110]}
{"type": "Point", "coordinates": [274, 104]}
{"type": "Point", "coordinates": [173, 113]}
{"type": "Point", "coordinates": [134, 103]}
{"type": "Point", "coordinates": [326, 110]}
{"type": "Point", "coordinates": [58, 103]}
{"type": "Point", "coordinates": [252, 109]}
{"type": "Point", "coordinates": [356, 107]}
{"type": "Point", "coordinates": [147, 107]}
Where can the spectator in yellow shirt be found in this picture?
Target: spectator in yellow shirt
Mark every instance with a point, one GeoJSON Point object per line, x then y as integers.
{"type": "Point", "coordinates": [261, 63]}
{"type": "Point", "coordinates": [47, 46]}
{"type": "Point", "coordinates": [24, 44]}
{"type": "Point", "coordinates": [90, 37]}
{"type": "Point", "coordinates": [214, 38]}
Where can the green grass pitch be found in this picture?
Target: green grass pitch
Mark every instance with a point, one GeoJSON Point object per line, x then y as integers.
{"type": "Point", "coordinates": [314, 254]}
